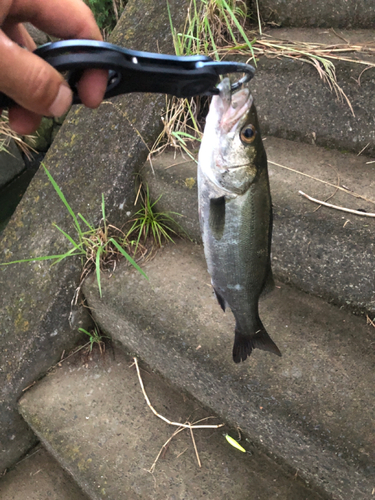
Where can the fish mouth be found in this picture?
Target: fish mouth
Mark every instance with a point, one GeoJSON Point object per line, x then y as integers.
{"type": "Point", "coordinates": [235, 167]}
{"type": "Point", "coordinates": [234, 107]}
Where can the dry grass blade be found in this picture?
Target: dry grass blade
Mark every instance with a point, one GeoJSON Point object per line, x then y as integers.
{"type": "Point", "coordinates": [259, 20]}
{"type": "Point", "coordinates": [7, 134]}
{"type": "Point", "coordinates": [318, 54]}
{"type": "Point", "coordinates": [209, 26]}
{"type": "Point", "coordinates": [195, 447]}
{"type": "Point", "coordinates": [287, 47]}
{"type": "Point", "coordinates": [352, 193]}
{"type": "Point", "coordinates": [220, 27]}
{"type": "Point", "coordinates": [180, 128]}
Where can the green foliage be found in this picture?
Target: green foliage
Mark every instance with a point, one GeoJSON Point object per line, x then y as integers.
{"type": "Point", "coordinates": [96, 245]}
{"type": "Point", "coordinates": [150, 223]}
{"type": "Point", "coordinates": [106, 12]}
{"type": "Point", "coordinates": [94, 338]}
{"type": "Point", "coordinates": [212, 27]}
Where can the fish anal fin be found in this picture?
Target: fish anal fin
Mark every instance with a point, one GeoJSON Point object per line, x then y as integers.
{"type": "Point", "coordinates": [245, 343]}
{"type": "Point", "coordinates": [269, 283]}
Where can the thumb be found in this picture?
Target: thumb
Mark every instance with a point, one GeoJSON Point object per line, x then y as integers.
{"type": "Point", "coordinates": [31, 82]}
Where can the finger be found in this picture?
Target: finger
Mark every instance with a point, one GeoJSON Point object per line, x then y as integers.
{"type": "Point", "coordinates": [31, 82]}
{"type": "Point", "coordinates": [92, 86]}
{"type": "Point", "coordinates": [68, 19]}
{"type": "Point", "coordinates": [22, 121]}
{"type": "Point", "coordinates": [18, 33]}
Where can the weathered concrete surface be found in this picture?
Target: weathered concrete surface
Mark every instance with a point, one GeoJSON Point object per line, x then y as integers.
{"type": "Point", "coordinates": [325, 252]}
{"type": "Point", "coordinates": [174, 177]}
{"type": "Point", "coordinates": [92, 416]}
{"type": "Point", "coordinates": [313, 409]}
{"type": "Point", "coordinates": [95, 152]}
{"type": "Point", "coordinates": [37, 35]}
{"type": "Point", "coordinates": [294, 103]}
{"type": "Point", "coordinates": [11, 194]}
{"type": "Point", "coordinates": [39, 477]}
{"type": "Point", "coordinates": [319, 13]}
{"type": "Point", "coordinates": [11, 163]}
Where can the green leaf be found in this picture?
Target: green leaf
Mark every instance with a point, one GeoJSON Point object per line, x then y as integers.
{"type": "Point", "coordinates": [34, 259]}
{"type": "Point", "coordinates": [92, 229]}
{"type": "Point", "coordinates": [69, 238]}
{"type": "Point", "coordinates": [127, 256]}
{"type": "Point", "coordinates": [97, 268]}
{"type": "Point", "coordinates": [62, 198]}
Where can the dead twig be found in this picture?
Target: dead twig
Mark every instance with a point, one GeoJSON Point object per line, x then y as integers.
{"type": "Point", "coordinates": [347, 191]}
{"type": "Point", "coordinates": [180, 426]}
{"type": "Point", "coordinates": [164, 448]}
{"type": "Point", "coordinates": [369, 321]}
{"type": "Point", "coordinates": [336, 207]}
{"type": "Point", "coordinates": [177, 424]}
{"type": "Point", "coordinates": [195, 447]}
{"type": "Point", "coordinates": [367, 145]}
{"type": "Point", "coordinates": [333, 194]}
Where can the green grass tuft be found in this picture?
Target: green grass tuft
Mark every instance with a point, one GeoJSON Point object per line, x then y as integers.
{"type": "Point", "coordinates": [97, 246]}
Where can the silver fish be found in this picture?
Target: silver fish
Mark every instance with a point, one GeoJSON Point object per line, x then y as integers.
{"type": "Point", "coordinates": [235, 214]}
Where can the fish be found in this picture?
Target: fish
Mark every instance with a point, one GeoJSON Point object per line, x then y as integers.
{"type": "Point", "coordinates": [235, 214]}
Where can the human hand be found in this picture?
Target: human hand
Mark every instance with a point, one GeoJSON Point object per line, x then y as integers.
{"type": "Point", "coordinates": [37, 88]}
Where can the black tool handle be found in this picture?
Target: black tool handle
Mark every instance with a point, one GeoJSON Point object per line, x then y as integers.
{"type": "Point", "coordinates": [133, 71]}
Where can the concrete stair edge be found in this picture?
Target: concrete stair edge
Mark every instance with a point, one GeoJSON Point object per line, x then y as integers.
{"type": "Point", "coordinates": [325, 252]}
{"type": "Point", "coordinates": [212, 378]}
{"type": "Point", "coordinates": [92, 416]}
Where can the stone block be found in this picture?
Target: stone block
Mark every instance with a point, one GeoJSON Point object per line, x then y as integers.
{"type": "Point", "coordinates": [11, 162]}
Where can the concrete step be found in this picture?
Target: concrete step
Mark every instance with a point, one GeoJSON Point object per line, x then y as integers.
{"type": "Point", "coordinates": [294, 103]}
{"type": "Point", "coordinates": [312, 409]}
{"type": "Point", "coordinates": [323, 13]}
{"type": "Point", "coordinates": [92, 416]}
{"type": "Point", "coordinates": [325, 252]}
{"type": "Point", "coordinates": [100, 149]}
{"type": "Point", "coordinates": [39, 477]}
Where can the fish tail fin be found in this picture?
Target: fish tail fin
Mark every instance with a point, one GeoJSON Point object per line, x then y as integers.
{"type": "Point", "coordinates": [245, 343]}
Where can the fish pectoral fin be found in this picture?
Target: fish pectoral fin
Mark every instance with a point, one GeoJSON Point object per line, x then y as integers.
{"type": "Point", "coordinates": [245, 343]}
{"type": "Point", "coordinates": [220, 299]}
{"type": "Point", "coordinates": [216, 219]}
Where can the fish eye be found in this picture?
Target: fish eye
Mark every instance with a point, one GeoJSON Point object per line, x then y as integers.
{"type": "Point", "coordinates": [247, 134]}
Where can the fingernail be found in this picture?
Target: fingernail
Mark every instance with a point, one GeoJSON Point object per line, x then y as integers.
{"type": "Point", "coordinates": [62, 102]}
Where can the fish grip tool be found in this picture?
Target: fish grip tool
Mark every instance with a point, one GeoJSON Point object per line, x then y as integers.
{"type": "Point", "coordinates": [135, 71]}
